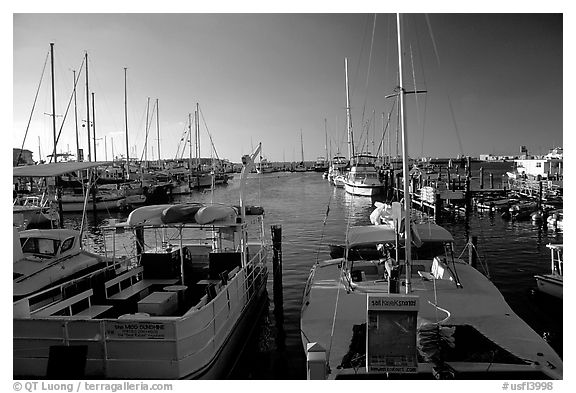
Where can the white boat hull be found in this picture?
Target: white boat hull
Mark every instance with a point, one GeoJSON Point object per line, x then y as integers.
{"type": "Point", "coordinates": [550, 284]}
{"type": "Point", "coordinates": [76, 203]}
{"type": "Point", "coordinates": [363, 189]}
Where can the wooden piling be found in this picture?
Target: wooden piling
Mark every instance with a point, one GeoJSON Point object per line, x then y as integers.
{"type": "Point", "coordinates": [481, 178]}
{"type": "Point", "coordinates": [437, 208]}
{"type": "Point", "coordinates": [472, 256]}
{"type": "Point", "coordinates": [491, 176]}
{"type": "Point", "coordinates": [277, 268]}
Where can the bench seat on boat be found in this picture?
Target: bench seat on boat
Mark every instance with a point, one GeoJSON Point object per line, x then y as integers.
{"type": "Point", "coordinates": [93, 311]}
{"type": "Point", "coordinates": [64, 304]}
{"type": "Point", "coordinates": [140, 286]}
{"type": "Point", "coordinates": [134, 285]}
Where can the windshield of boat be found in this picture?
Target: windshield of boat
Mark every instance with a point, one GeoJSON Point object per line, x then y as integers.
{"type": "Point", "coordinates": [40, 246]}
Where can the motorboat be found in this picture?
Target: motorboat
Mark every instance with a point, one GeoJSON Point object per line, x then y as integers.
{"type": "Point", "coordinates": [552, 282]}
{"type": "Point", "coordinates": [46, 257]}
{"type": "Point", "coordinates": [363, 178]}
{"type": "Point", "coordinates": [181, 309]}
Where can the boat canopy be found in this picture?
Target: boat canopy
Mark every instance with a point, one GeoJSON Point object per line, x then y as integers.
{"type": "Point", "coordinates": [54, 169]}
{"type": "Point", "coordinates": [430, 233]}
{"type": "Point", "coordinates": [375, 234]}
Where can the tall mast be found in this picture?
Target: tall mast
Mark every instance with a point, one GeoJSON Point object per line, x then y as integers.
{"type": "Point", "coordinates": [348, 115]}
{"type": "Point", "coordinates": [197, 124]}
{"type": "Point", "coordinates": [302, 146]}
{"type": "Point", "coordinates": [76, 119]}
{"type": "Point", "coordinates": [88, 108]}
{"type": "Point", "coordinates": [326, 138]}
{"type": "Point", "coordinates": [126, 130]}
{"type": "Point", "coordinates": [407, 198]}
{"type": "Point", "coordinates": [94, 126]}
{"type": "Point", "coordinates": [158, 132]}
{"type": "Point", "coordinates": [190, 140]}
{"type": "Point", "coordinates": [53, 98]}
{"type": "Point", "coordinates": [147, 129]}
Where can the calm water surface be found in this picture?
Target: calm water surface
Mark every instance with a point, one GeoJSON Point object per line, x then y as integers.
{"type": "Point", "coordinates": [513, 251]}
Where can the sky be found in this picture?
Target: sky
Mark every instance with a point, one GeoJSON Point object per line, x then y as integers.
{"type": "Point", "coordinates": [493, 82]}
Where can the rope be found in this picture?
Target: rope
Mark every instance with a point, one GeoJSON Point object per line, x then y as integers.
{"type": "Point", "coordinates": [32, 111]}
{"type": "Point", "coordinates": [323, 227]}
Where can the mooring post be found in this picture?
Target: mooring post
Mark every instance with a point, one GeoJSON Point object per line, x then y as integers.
{"type": "Point", "coordinates": [481, 178]}
{"type": "Point", "coordinates": [472, 257]}
{"type": "Point", "coordinates": [491, 176]}
{"type": "Point", "coordinates": [277, 266]}
{"type": "Point", "coordinates": [539, 194]}
{"type": "Point", "coordinates": [437, 207]}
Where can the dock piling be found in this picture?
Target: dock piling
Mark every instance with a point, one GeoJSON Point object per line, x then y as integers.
{"type": "Point", "coordinates": [472, 243]}
{"type": "Point", "coordinates": [277, 267]}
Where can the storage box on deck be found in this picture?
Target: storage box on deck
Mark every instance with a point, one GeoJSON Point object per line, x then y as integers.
{"type": "Point", "coordinates": [159, 303]}
{"type": "Point", "coordinates": [161, 263]}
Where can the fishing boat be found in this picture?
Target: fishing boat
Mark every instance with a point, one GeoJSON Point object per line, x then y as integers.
{"type": "Point", "coordinates": [46, 257]}
{"type": "Point", "coordinates": [363, 178]}
{"type": "Point", "coordinates": [433, 316]}
{"type": "Point", "coordinates": [320, 165]}
{"type": "Point", "coordinates": [264, 166]}
{"type": "Point", "coordinates": [338, 166]}
{"type": "Point", "coordinates": [184, 308]}
{"type": "Point", "coordinates": [552, 282]}
{"type": "Point", "coordinates": [34, 212]}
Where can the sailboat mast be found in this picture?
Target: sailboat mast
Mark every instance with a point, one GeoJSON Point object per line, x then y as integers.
{"type": "Point", "coordinates": [190, 140]}
{"type": "Point", "coordinates": [407, 198]}
{"type": "Point", "coordinates": [53, 98]}
{"type": "Point", "coordinates": [326, 138]}
{"type": "Point", "coordinates": [158, 132]}
{"type": "Point", "coordinates": [126, 121]}
{"type": "Point", "coordinates": [197, 124]}
{"type": "Point", "coordinates": [147, 129]}
{"type": "Point", "coordinates": [76, 120]}
{"type": "Point", "coordinates": [94, 126]}
{"type": "Point", "coordinates": [302, 145]}
{"type": "Point", "coordinates": [348, 115]}
{"type": "Point", "coordinates": [88, 109]}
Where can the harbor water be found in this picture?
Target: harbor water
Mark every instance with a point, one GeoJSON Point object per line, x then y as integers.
{"type": "Point", "coordinates": [314, 214]}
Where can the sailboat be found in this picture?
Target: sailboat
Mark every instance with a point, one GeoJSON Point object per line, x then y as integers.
{"type": "Point", "coordinates": [366, 315]}
{"type": "Point", "coordinates": [301, 167]}
{"type": "Point", "coordinates": [363, 178]}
